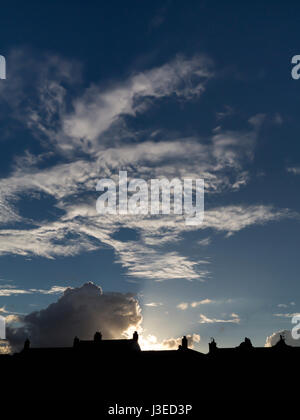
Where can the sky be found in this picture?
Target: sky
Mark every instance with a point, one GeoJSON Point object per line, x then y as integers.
{"type": "Point", "coordinates": [158, 89]}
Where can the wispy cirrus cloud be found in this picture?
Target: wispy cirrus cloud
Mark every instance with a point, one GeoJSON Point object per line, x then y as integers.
{"type": "Point", "coordinates": [74, 119]}
{"type": "Point", "coordinates": [8, 212]}
{"type": "Point", "coordinates": [235, 218]}
{"type": "Point", "coordinates": [89, 133]}
{"type": "Point", "coordinates": [146, 262]}
{"type": "Point", "coordinates": [99, 108]}
{"type": "Point", "coordinates": [82, 229]}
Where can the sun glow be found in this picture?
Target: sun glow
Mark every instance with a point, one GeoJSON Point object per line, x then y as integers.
{"type": "Point", "coordinates": [149, 342]}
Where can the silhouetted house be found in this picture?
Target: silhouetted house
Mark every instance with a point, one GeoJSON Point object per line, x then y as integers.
{"type": "Point", "coordinates": [93, 349]}
{"type": "Point", "coordinates": [110, 350]}
{"type": "Point", "coordinates": [98, 345]}
{"type": "Point", "coordinates": [120, 368]}
{"type": "Point", "coordinates": [86, 348]}
{"type": "Point", "coordinates": [246, 350]}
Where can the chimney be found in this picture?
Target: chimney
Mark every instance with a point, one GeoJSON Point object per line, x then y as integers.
{"type": "Point", "coordinates": [212, 346]}
{"type": "Point", "coordinates": [27, 344]}
{"type": "Point", "coordinates": [97, 337]}
{"type": "Point", "coordinates": [184, 343]}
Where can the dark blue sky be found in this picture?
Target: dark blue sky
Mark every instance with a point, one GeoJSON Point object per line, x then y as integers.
{"type": "Point", "coordinates": [156, 88]}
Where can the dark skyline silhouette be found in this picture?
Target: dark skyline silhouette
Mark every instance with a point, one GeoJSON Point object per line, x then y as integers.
{"type": "Point", "coordinates": [118, 370]}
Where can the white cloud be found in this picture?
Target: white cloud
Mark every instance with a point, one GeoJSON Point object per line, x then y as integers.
{"type": "Point", "coordinates": [295, 170]}
{"type": "Point", "coordinates": [173, 343]}
{"type": "Point", "coordinates": [205, 320]}
{"type": "Point", "coordinates": [3, 310]}
{"type": "Point", "coordinates": [9, 319]}
{"type": "Point", "coordinates": [98, 109]}
{"type": "Point", "coordinates": [201, 302]}
{"type": "Point", "coordinates": [150, 342]}
{"type": "Point", "coordinates": [257, 120]}
{"type": "Point", "coordinates": [227, 112]}
{"type": "Point", "coordinates": [235, 218]}
{"type": "Point", "coordinates": [53, 291]}
{"type": "Point", "coordinates": [146, 262]}
{"type": "Point", "coordinates": [286, 315]}
{"type": "Point", "coordinates": [286, 305]}
{"type": "Point", "coordinates": [153, 304]}
{"type": "Point", "coordinates": [204, 242]}
{"type": "Point", "coordinates": [88, 231]}
{"type": "Point", "coordinates": [5, 348]}
{"type": "Point", "coordinates": [8, 213]}
{"type": "Point", "coordinates": [12, 291]}
{"type": "Point", "coordinates": [183, 306]}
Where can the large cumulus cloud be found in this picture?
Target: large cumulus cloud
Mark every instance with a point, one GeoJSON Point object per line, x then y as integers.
{"type": "Point", "coordinates": [79, 311]}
